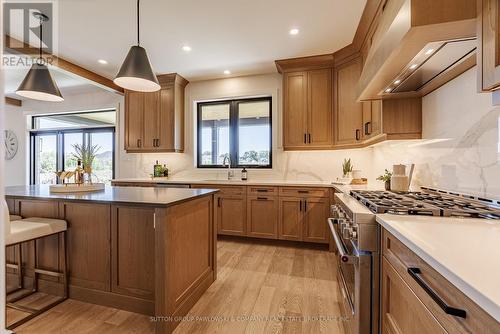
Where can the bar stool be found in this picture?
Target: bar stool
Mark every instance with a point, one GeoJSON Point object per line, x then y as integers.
{"type": "Point", "coordinates": [31, 229]}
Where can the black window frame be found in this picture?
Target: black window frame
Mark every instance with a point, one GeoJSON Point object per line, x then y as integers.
{"type": "Point", "coordinates": [233, 132]}
{"type": "Point", "coordinates": [59, 133]}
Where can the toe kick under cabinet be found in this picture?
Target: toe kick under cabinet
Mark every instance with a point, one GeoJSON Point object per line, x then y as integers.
{"type": "Point", "coordinates": [417, 299]}
{"type": "Point", "coordinates": [286, 213]}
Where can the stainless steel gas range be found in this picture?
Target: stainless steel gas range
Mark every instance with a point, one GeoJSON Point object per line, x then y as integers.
{"type": "Point", "coordinates": [356, 235]}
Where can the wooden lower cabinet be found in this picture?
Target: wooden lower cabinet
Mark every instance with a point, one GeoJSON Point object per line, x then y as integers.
{"type": "Point", "coordinates": [133, 250]}
{"type": "Point", "coordinates": [304, 219]}
{"type": "Point", "coordinates": [408, 307]}
{"type": "Point", "coordinates": [316, 211]}
{"type": "Point", "coordinates": [231, 215]}
{"type": "Point", "coordinates": [402, 311]}
{"type": "Point", "coordinates": [262, 216]}
{"type": "Point", "coordinates": [90, 257]}
{"type": "Point", "coordinates": [291, 218]}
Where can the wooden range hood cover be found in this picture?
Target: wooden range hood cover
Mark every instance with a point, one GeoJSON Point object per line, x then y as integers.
{"type": "Point", "coordinates": [405, 30]}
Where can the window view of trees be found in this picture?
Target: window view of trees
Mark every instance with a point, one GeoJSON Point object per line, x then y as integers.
{"type": "Point", "coordinates": [240, 129]}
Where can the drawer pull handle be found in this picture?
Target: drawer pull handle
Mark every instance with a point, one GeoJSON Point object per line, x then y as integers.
{"type": "Point", "coordinates": [262, 190]}
{"type": "Point", "coordinates": [415, 274]}
{"type": "Point", "coordinates": [262, 198]}
{"type": "Point", "coordinates": [303, 191]}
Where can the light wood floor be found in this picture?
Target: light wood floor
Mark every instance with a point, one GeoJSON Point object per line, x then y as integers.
{"type": "Point", "coordinates": [274, 284]}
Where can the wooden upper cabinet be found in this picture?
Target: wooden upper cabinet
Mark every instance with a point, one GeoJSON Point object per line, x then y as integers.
{"type": "Point", "coordinates": [320, 112]}
{"type": "Point", "coordinates": [307, 102]}
{"type": "Point", "coordinates": [295, 110]}
{"type": "Point", "coordinates": [488, 33]}
{"type": "Point", "coordinates": [372, 119]}
{"type": "Point", "coordinates": [348, 112]}
{"type": "Point", "coordinates": [154, 122]}
{"type": "Point", "coordinates": [134, 118]}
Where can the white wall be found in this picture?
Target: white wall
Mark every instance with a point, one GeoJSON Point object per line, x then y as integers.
{"type": "Point", "coordinates": [461, 150]}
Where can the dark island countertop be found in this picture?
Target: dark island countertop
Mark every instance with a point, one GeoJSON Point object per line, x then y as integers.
{"type": "Point", "coordinates": [153, 197]}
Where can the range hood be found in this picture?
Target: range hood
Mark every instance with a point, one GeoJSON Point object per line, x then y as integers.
{"type": "Point", "coordinates": [417, 47]}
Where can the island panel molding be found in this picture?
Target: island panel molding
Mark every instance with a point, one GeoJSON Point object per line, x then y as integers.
{"type": "Point", "coordinates": [144, 250]}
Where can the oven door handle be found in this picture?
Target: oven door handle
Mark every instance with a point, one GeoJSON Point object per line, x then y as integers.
{"type": "Point", "coordinates": [344, 257]}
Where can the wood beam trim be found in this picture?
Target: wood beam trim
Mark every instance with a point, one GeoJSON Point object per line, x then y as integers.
{"type": "Point", "coordinates": [64, 65]}
{"type": "Point", "coordinates": [13, 102]}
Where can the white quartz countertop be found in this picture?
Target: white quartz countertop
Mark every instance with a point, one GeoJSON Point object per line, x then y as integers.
{"type": "Point", "coordinates": [268, 182]}
{"type": "Point", "coordinates": [465, 251]}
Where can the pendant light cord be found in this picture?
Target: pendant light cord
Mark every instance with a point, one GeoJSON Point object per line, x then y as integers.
{"type": "Point", "coordinates": [138, 25]}
{"type": "Point", "coordinates": [40, 58]}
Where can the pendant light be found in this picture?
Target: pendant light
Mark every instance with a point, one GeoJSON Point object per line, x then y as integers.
{"type": "Point", "coordinates": [38, 83]}
{"type": "Point", "coordinates": [136, 72]}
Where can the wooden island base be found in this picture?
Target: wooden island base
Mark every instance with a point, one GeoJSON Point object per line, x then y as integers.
{"type": "Point", "coordinates": [152, 259]}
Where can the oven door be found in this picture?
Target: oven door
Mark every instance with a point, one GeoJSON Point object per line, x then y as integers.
{"type": "Point", "coordinates": [346, 274]}
{"type": "Point", "coordinates": [354, 281]}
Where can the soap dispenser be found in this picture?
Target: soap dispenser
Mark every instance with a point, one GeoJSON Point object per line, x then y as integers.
{"type": "Point", "coordinates": [244, 174]}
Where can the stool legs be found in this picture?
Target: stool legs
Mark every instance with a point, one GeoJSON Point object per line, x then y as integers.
{"type": "Point", "coordinates": [63, 274]}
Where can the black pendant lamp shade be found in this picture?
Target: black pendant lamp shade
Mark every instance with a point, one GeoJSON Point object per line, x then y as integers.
{"type": "Point", "coordinates": [38, 83]}
{"type": "Point", "coordinates": [136, 72]}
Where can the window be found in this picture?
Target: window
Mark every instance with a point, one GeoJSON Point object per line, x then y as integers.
{"type": "Point", "coordinates": [53, 138]}
{"type": "Point", "coordinates": [240, 130]}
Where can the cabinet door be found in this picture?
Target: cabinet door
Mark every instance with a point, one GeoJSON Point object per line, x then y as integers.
{"type": "Point", "coordinates": [402, 311]}
{"type": "Point", "coordinates": [167, 119]}
{"type": "Point", "coordinates": [372, 118]}
{"type": "Point", "coordinates": [295, 110]}
{"type": "Point", "coordinates": [231, 215]}
{"type": "Point", "coordinates": [291, 218]}
{"type": "Point", "coordinates": [89, 249]}
{"type": "Point", "coordinates": [488, 44]}
{"type": "Point", "coordinates": [133, 251]}
{"type": "Point", "coordinates": [348, 112]}
{"type": "Point", "coordinates": [150, 120]}
{"type": "Point", "coordinates": [134, 117]}
{"type": "Point", "coordinates": [315, 223]}
{"type": "Point", "coordinates": [262, 216]}
{"type": "Point", "coordinates": [320, 112]}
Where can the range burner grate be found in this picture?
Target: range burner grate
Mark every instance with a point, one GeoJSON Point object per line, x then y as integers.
{"type": "Point", "coordinates": [425, 203]}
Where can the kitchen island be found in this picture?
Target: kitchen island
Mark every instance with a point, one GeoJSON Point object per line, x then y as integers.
{"type": "Point", "coordinates": [145, 250]}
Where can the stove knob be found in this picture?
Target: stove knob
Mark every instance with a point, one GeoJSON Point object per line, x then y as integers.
{"type": "Point", "coordinates": [347, 233]}
{"type": "Point", "coordinates": [354, 233]}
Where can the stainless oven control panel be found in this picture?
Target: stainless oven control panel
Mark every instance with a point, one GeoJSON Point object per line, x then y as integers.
{"type": "Point", "coordinates": [347, 228]}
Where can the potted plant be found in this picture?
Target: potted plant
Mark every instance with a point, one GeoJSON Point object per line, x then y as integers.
{"type": "Point", "coordinates": [87, 155]}
{"type": "Point", "coordinates": [347, 168]}
{"type": "Point", "coordinates": [386, 177]}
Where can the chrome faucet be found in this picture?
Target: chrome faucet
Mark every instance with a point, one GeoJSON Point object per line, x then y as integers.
{"type": "Point", "coordinates": [230, 172]}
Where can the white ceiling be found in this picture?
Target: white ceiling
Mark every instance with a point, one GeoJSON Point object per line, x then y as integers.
{"type": "Point", "coordinates": [243, 36]}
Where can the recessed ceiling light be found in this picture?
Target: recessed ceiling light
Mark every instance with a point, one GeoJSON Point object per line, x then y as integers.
{"type": "Point", "coordinates": [413, 66]}
{"type": "Point", "coordinates": [388, 90]}
{"type": "Point", "coordinates": [227, 72]}
{"type": "Point", "coordinates": [294, 31]}
{"type": "Point", "coordinates": [102, 61]}
{"type": "Point", "coordinates": [186, 48]}
{"type": "Point", "coordinates": [428, 52]}
{"type": "Point", "coordinates": [397, 82]}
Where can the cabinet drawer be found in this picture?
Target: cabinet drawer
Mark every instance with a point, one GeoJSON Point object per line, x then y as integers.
{"type": "Point", "coordinates": [300, 191]}
{"type": "Point", "coordinates": [262, 190]}
{"type": "Point", "coordinates": [402, 311]}
{"type": "Point", "coordinates": [402, 258]}
{"type": "Point", "coordinates": [224, 190]}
